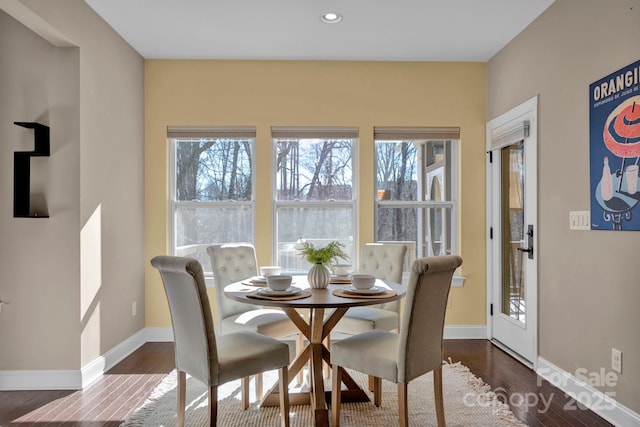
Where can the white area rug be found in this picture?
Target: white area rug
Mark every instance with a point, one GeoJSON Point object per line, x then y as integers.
{"type": "Point", "coordinates": [468, 401]}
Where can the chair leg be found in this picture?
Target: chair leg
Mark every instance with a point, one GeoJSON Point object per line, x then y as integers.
{"type": "Point", "coordinates": [371, 382]}
{"type": "Point", "coordinates": [377, 391]}
{"type": "Point", "coordinates": [283, 389]}
{"type": "Point", "coordinates": [403, 407]}
{"type": "Point", "coordinates": [326, 368]}
{"type": "Point", "coordinates": [259, 386]}
{"type": "Point", "coordinates": [182, 394]}
{"type": "Point", "coordinates": [244, 393]}
{"type": "Point", "coordinates": [336, 383]}
{"type": "Point", "coordinates": [437, 391]}
{"type": "Point", "coordinates": [213, 406]}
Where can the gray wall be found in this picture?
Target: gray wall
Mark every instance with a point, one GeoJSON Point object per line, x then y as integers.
{"type": "Point", "coordinates": [70, 279]}
{"type": "Point", "coordinates": [588, 280]}
{"type": "Point", "coordinates": [39, 269]}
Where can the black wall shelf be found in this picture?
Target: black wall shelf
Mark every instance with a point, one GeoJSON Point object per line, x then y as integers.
{"type": "Point", "coordinates": [22, 171]}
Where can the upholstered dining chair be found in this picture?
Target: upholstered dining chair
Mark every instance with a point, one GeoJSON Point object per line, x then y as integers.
{"type": "Point", "coordinates": [209, 358]}
{"type": "Point", "coordinates": [414, 351]}
{"type": "Point", "coordinates": [233, 262]}
{"type": "Point", "coordinates": [385, 261]}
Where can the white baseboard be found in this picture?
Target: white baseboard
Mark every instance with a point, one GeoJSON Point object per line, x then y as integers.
{"type": "Point", "coordinates": [158, 334]}
{"type": "Point", "coordinates": [597, 401]}
{"type": "Point", "coordinates": [40, 380]}
{"type": "Point", "coordinates": [79, 379]}
{"type": "Point", "coordinates": [72, 379]}
{"type": "Point", "coordinates": [94, 370]}
{"type": "Point", "coordinates": [468, 332]}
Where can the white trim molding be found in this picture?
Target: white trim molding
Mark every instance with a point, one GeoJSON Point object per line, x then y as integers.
{"type": "Point", "coordinates": [40, 380]}
{"type": "Point", "coordinates": [158, 334]}
{"type": "Point", "coordinates": [465, 332]}
{"type": "Point", "coordinates": [73, 379]}
{"type": "Point", "coordinates": [94, 370]}
{"type": "Point", "coordinates": [601, 403]}
{"type": "Point", "coordinates": [82, 378]}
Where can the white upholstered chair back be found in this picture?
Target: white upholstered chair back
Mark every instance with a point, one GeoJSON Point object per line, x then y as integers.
{"type": "Point", "coordinates": [231, 263]}
{"type": "Point", "coordinates": [198, 352]}
{"type": "Point", "coordinates": [422, 323]}
{"type": "Point", "coordinates": [195, 342]}
{"type": "Point", "coordinates": [385, 261]}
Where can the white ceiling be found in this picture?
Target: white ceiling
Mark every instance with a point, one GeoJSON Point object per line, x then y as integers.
{"type": "Point", "coordinates": [382, 30]}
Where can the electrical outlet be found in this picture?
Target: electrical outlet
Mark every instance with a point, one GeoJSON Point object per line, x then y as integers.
{"type": "Point", "coordinates": [134, 309]}
{"type": "Point", "coordinates": [616, 360]}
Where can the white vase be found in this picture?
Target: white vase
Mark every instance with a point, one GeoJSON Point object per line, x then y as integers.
{"type": "Point", "coordinates": [319, 276]}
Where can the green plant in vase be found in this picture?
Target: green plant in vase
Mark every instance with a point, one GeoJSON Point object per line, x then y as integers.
{"type": "Point", "coordinates": [319, 275]}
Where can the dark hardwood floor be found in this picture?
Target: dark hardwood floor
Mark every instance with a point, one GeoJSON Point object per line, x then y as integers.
{"type": "Point", "coordinates": [108, 401]}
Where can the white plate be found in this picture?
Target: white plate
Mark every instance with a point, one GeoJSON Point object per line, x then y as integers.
{"type": "Point", "coordinates": [291, 290]}
{"type": "Point", "coordinates": [371, 291]}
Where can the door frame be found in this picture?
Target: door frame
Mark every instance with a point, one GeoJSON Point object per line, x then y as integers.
{"type": "Point", "coordinates": [504, 126]}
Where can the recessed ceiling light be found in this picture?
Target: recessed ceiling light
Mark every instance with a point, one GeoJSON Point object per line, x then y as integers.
{"type": "Point", "coordinates": [331, 18]}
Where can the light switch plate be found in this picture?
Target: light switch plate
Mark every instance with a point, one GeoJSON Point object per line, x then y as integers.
{"type": "Point", "coordinates": [579, 220]}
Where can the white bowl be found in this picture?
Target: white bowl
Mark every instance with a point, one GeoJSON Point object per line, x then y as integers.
{"type": "Point", "coordinates": [279, 282]}
{"type": "Point", "coordinates": [363, 281]}
{"type": "Point", "coordinates": [270, 270]}
{"type": "Point", "coordinates": [342, 269]}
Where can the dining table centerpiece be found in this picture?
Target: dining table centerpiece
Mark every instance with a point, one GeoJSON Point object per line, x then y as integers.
{"type": "Point", "coordinates": [320, 258]}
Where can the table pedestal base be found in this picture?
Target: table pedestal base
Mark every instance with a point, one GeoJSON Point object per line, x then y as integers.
{"type": "Point", "coordinates": [315, 353]}
{"type": "Point", "coordinates": [303, 397]}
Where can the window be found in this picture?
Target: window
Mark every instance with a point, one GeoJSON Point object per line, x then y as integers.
{"type": "Point", "coordinates": [212, 173]}
{"type": "Point", "coordinates": [416, 189]}
{"type": "Point", "coordinates": [314, 191]}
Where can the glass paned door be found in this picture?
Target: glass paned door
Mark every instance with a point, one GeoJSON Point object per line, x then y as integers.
{"type": "Point", "coordinates": [512, 214]}
{"type": "Point", "coordinates": [513, 231]}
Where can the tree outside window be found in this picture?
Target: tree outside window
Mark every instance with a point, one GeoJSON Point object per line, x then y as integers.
{"type": "Point", "coordinates": [314, 192]}
{"type": "Point", "coordinates": [212, 193]}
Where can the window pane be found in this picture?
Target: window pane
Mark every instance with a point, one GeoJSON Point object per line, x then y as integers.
{"type": "Point", "coordinates": [318, 225]}
{"type": "Point", "coordinates": [438, 233]}
{"type": "Point", "coordinates": [214, 169]}
{"type": "Point", "coordinates": [198, 227]}
{"type": "Point", "coordinates": [397, 224]}
{"type": "Point", "coordinates": [430, 227]}
{"type": "Point", "coordinates": [314, 169]}
{"type": "Point", "coordinates": [415, 193]}
{"type": "Point", "coordinates": [397, 170]}
{"type": "Point", "coordinates": [438, 170]}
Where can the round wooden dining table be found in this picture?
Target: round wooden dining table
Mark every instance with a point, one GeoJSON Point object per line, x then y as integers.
{"type": "Point", "coordinates": [321, 320]}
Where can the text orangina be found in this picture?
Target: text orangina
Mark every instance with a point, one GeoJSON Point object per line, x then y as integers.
{"type": "Point", "coordinates": [619, 83]}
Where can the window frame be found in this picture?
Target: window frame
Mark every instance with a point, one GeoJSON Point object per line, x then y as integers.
{"type": "Point", "coordinates": [422, 136]}
{"type": "Point", "coordinates": [193, 133]}
{"type": "Point", "coordinates": [314, 133]}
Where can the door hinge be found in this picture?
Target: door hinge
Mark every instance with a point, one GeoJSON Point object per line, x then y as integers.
{"type": "Point", "coordinates": [490, 156]}
{"type": "Point", "coordinates": [491, 233]}
{"type": "Point", "coordinates": [491, 309]}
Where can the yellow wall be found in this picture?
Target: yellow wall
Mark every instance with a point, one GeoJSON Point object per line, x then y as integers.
{"type": "Point", "coordinates": [310, 93]}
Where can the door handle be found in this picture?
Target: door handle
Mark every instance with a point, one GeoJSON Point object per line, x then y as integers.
{"type": "Point", "coordinates": [529, 250]}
